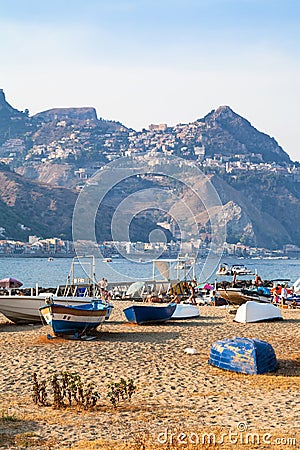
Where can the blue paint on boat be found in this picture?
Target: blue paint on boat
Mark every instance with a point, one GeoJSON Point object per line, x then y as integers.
{"type": "Point", "coordinates": [63, 327]}
{"type": "Point", "coordinates": [250, 356]}
{"type": "Point", "coordinates": [144, 314]}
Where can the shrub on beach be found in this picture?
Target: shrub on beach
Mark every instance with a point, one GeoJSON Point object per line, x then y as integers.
{"type": "Point", "coordinates": [122, 390]}
{"type": "Point", "coordinates": [66, 389]}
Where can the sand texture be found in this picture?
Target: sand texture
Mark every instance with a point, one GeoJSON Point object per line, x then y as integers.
{"type": "Point", "coordinates": [176, 391]}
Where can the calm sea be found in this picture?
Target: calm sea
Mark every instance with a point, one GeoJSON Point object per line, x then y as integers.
{"type": "Point", "coordinates": [51, 273]}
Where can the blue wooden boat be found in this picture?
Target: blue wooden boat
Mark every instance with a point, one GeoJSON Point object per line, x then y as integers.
{"type": "Point", "coordinates": [250, 356]}
{"type": "Point", "coordinates": [144, 314]}
{"type": "Point", "coordinates": [69, 319]}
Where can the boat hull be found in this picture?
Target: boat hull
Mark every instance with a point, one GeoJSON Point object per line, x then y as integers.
{"type": "Point", "coordinates": [185, 311]}
{"type": "Point", "coordinates": [71, 319]}
{"type": "Point", "coordinates": [25, 309]}
{"type": "Point", "coordinates": [144, 314]}
{"type": "Point", "coordinates": [251, 312]}
{"type": "Point", "coordinates": [250, 356]}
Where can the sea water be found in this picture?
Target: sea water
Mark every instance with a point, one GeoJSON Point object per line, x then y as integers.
{"type": "Point", "coordinates": [52, 273]}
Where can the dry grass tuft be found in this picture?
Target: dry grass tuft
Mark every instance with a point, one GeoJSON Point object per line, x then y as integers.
{"type": "Point", "coordinates": [41, 340]}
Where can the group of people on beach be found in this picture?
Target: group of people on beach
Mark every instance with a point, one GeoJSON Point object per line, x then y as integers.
{"type": "Point", "coordinates": [192, 292]}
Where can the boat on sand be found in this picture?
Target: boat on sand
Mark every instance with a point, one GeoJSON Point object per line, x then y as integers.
{"type": "Point", "coordinates": [250, 356]}
{"type": "Point", "coordinates": [185, 311]}
{"type": "Point", "coordinates": [72, 319]}
{"type": "Point", "coordinates": [142, 314]}
{"type": "Point", "coordinates": [257, 312]}
{"type": "Point", "coordinates": [238, 296]}
{"type": "Point", "coordinates": [20, 307]}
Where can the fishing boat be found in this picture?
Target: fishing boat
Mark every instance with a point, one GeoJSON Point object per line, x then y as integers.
{"type": "Point", "coordinates": [185, 311]}
{"type": "Point", "coordinates": [72, 319]}
{"type": "Point", "coordinates": [23, 306]}
{"type": "Point", "coordinates": [238, 296]}
{"type": "Point", "coordinates": [143, 314]}
{"type": "Point", "coordinates": [235, 269]}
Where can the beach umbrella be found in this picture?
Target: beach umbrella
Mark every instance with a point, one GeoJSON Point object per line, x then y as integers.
{"type": "Point", "coordinates": [10, 283]}
{"type": "Point", "coordinates": [205, 286]}
{"type": "Point", "coordinates": [135, 287]}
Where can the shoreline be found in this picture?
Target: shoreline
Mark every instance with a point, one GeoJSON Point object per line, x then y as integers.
{"type": "Point", "coordinates": [38, 256]}
{"type": "Point", "coordinates": [120, 257]}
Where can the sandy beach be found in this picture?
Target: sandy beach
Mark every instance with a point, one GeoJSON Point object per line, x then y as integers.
{"type": "Point", "coordinates": [176, 392]}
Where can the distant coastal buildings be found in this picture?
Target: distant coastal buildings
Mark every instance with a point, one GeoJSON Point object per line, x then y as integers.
{"type": "Point", "coordinates": [37, 247]}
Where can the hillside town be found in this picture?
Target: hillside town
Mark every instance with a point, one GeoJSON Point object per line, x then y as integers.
{"type": "Point", "coordinates": [87, 152]}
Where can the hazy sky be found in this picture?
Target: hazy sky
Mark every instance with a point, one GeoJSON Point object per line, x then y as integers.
{"type": "Point", "coordinates": [152, 61]}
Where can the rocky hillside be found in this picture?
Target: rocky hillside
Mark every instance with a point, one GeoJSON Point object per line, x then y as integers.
{"type": "Point", "coordinates": [58, 149]}
{"type": "Point", "coordinates": [59, 114]}
{"type": "Point", "coordinates": [31, 208]}
{"type": "Point", "coordinates": [227, 133]}
{"type": "Point", "coordinates": [256, 210]}
{"type": "Point", "coordinates": [261, 210]}
{"type": "Point", "coordinates": [77, 136]}
{"type": "Point", "coordinates": [13, 123]}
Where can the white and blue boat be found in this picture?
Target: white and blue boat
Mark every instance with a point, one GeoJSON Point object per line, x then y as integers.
{"type": "Point", "coordinates": [143, 314]}
{"type": "Point", "coordinates": [70, 319]}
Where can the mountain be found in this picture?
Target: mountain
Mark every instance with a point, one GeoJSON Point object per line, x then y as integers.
{"type": "Point", "coordinates": [13, 123]}
{"type": "Point", "coordinates": [227, 133]}
{"type": "Point", "coordinates": [31, 208]}
{"type": "Point", "coordinates": [78, 137]}
{"type": "Point", "coordinates": [54, 152]}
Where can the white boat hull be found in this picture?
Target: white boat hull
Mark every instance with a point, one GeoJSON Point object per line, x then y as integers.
{"type": "Point", "coordinates": [185, 311]}
{"type": "Point", "coordinates": [257, 312]}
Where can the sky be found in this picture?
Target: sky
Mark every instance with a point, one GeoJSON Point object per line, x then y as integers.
{"type": "Point", "coordinates": [156, 61]}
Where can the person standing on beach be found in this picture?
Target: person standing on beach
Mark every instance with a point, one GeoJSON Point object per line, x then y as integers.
{"type": "Point", "coordinates": [275, 293]}
{"type": "Point", "coordinates": [192, 297]}
{"type": "Point", "coordinates": [283, 295]}
{"type": "Point", "coordinates": [103, 284]}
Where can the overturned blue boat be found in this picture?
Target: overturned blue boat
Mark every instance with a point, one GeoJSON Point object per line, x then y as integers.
{"type": "Point", "coordinates": [250, 356]}
{"type": "Point", "coordinates": [144, 314]}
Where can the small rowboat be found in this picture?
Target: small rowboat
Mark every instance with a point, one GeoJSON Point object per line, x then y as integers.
{"type": "Point", "coordinates": [250, 356]}
{"type": "Point", "coordinates": [185, 311]}
{"type": "Point", "coordinates": [71, 319]}
{"type": "Point", "coordinates": [144, 314]}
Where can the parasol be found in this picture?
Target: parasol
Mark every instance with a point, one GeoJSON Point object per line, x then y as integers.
{"type": "Point", "coordinates": [10, 283]}
{"type": "Point", "coordinates": [135, 287]}
{"type": "Point", "coordinates": [205, 286]}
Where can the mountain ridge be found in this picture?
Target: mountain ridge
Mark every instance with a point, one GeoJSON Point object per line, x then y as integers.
{"type": "Point", "coordinates": [60, 148]}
